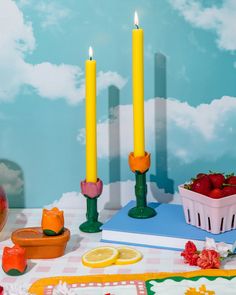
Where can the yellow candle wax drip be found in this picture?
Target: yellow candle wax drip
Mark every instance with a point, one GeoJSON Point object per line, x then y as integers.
{"type": "Point", "coordinates": [91, 132]}
{"type": "Point", "coordinates": [138, 91]}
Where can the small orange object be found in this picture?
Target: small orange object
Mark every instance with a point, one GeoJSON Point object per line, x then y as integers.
{"type": "Point", "coordinates": [140, 164]}
{"type": "Point", "coordinates": [14, 260]}
{"type": "Point", "coordinates": [38, 245]}
{"type": "Point", "coordinates": [53, 222]}
{"type": "Point", "coordinates": [201, 291]}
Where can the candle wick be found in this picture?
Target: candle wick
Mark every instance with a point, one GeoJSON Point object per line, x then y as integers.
{"type": "Point", "coordinates": [137, 27]}
{"type": "Point", "coordinates": [90, 58]}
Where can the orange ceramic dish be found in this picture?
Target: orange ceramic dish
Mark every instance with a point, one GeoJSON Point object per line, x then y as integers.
{"type": "Point", "coordinates": [52, 222]}
{"type": "Point", "coordinates": [38, 245]}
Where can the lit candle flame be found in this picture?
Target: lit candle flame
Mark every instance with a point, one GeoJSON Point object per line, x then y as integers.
{"type": "Point", "coordinates": [90, 53]}
{"type": "Point", "coordinates": [136, 22]}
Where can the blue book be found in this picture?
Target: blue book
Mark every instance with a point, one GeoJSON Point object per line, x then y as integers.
{"type": "Point", "coordinates": [167, 229]}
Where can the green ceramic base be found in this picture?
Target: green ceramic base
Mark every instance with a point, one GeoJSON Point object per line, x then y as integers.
{"type": "Point", "coordinates": [142, 212]}
{"type": "Point", "coordinates": [49, 232]}
{"type": "Point", "coordinates": [15, 272]}
{"type": "Point", "coordinates": [91, 227]}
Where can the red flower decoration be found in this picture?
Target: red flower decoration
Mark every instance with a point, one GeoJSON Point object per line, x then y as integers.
{"type": "Point", "coordinates": [191, 259]}
{"type": "Point", "coordinates": [209, 259]}
{"type": "Point", "coordinates": [190, 247]}
{"type": "Point", "coordinates": [190, 253]}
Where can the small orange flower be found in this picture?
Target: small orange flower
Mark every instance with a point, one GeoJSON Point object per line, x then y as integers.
{"type": "Point", "coordinates": [52, 221]}
{"type": "Point", "coordinates": [140, 164]}
{"type": "Point", "coordinates": [14, 259]}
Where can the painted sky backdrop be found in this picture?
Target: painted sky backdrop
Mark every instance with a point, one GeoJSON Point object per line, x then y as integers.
{"type": "Point", "coordinates": [43, 47]}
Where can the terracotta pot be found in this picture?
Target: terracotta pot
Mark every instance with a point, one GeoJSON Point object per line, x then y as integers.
{"type": "Point", "coordinates": [38, 245]}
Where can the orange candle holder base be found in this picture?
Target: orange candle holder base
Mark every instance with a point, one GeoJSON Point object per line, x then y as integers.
{"type": "Point", "coordinates": [38, 245]}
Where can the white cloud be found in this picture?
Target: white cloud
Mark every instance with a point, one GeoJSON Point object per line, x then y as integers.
{"type": "Point", "coordinates": [51, 13]}
{"type": "Point", "coordinates": [126, 194]}
{"type": "Point", "coordinates": [55, 81]}
{"type": "Point", "coordinates": [11, 180]}
{"type": "Point", "coordinates": [48, 80]}
{"type": "Point", "coordinates": [105, 79]}
{"type": "Point", "coordinates": [221, 19]}
{"type": "Point", "coordinates": [192, 132]}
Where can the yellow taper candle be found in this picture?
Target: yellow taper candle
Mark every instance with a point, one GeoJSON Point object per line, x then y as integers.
{"type": "Point", "coordinates": [91, 132]}
{"type": "Point", "coordinates": [138, 89]}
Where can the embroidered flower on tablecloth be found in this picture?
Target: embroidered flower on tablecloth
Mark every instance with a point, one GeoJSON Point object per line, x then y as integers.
{"type": "Point", "coordinates": [15, 290]}
{"type": "Point", "coordinates": [63, 289]}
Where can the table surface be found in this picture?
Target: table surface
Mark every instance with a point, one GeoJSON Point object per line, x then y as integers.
{"type": "Point", "coordinates": [154, 260]}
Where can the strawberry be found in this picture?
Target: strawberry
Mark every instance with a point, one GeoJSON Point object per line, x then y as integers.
{"type": "Point", "coordinates": [199, 175]}
{"type": "Point", "coordinates": [231, 180]}
{"type": "Point", "coordinates": [216, 193]}
{"type": "Point", "coordinates": [201, 185]}
{"type": "Point", "coordinates": [229, 190]}
{"type": "Point", "coordinates": [217, 179]}
{"type": "Point", "coordinates": [3, 206]}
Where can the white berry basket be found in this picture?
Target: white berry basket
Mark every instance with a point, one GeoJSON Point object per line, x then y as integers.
{"type": "Point", "coordinates": [213, 215]}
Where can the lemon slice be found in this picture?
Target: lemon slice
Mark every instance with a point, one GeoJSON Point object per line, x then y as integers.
{"type": "Point", "coordinates": [100, 257]}
{"type": "Point", "coordinates": [128, 256]}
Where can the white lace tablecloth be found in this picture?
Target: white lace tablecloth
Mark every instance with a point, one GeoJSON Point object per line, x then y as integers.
{"type": "Point", "coordinates": [154, 260]}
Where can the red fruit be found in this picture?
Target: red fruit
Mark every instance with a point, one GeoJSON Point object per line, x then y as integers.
{"type": "Point", "coordinates": [217, 179]}
{"type": "Point", "coordinates": [231, 180]}
{"type": "Point", "coordinates": [199, 175]}
{"type": "Point", "coordinates": [201, 185]}
{"type": "Point", "coordinates": [3, 205]}
{"type": "Point", "coordinates": [216, 193]}
{"type": "Point", "coordinates": [229, 190]}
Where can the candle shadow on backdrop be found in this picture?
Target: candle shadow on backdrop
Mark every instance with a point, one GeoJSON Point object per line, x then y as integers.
{"type": "Point", "coordinates": [114, 144]}
{"type": "Point", "coordinates": [160, 162]}
{"type": "Point", "coordinates": [73, 243]}
{"type": "Point", "coordinates": [12, 180]}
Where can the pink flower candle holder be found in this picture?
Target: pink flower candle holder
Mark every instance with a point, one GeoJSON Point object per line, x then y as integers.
{"type": "Point", "coordinates": [91, 191]}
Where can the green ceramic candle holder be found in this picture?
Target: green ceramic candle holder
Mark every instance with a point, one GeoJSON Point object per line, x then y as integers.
{"type": "Point", "coordinates": [140, 166]}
